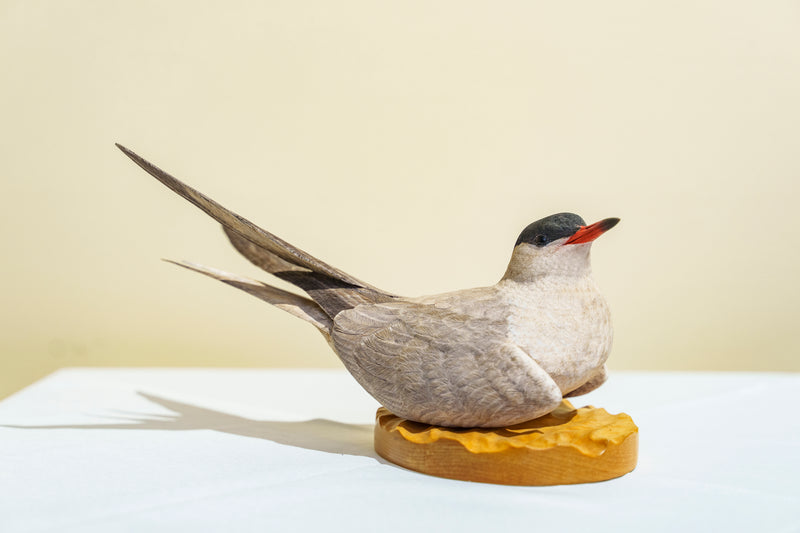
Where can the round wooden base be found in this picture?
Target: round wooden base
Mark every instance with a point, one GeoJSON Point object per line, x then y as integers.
{"type": "Point", "coordinates": [567, 446]}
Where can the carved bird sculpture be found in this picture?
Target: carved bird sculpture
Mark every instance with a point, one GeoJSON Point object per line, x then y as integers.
{"type": "Point", "coordinates": [483, 357]}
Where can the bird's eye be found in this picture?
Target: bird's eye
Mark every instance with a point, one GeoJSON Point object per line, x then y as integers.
{"type": "Point", "coordinates": [540, 240]}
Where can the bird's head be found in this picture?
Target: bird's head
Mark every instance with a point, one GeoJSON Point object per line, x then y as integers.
{"type": "Point", "coordinates": [558, 244]}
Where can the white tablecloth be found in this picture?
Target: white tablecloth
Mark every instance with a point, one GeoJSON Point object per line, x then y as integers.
{"type": "Point", "coordinates": [287, 450]}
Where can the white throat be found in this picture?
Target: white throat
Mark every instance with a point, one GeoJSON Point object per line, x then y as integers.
{"type": "Point", "coordinates": [530, 263]}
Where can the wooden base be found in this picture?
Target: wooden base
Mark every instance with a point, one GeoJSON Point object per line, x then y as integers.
{"type": "Point", "coordinates": [567, 446]}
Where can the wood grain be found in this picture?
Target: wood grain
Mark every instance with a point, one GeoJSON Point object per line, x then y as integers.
{"type": "Point", "coordinates": [565, 447]}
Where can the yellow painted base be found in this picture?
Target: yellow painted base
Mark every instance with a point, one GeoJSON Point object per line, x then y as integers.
{"type": "Point", "coordinates": [567, 446]}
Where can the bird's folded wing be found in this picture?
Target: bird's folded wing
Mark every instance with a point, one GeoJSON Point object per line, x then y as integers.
{"type": "Point", "coordinates": [243, 227]}
{"type": "Point", "coordinates": [259, 256]}
{"type": "Point", "coordinates": [429, 364]}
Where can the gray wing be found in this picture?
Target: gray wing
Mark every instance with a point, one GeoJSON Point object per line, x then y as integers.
{"type": "Point", "coordinates": [260, 256]}
{"type": "Point", "coordinates": [331, 294]}
{"type": "Point", "coordinates": [331, 289]}
{"type": "Point", "coordinates": [265, 241]}
{"type": "Point", "coordinates": [442, 367]}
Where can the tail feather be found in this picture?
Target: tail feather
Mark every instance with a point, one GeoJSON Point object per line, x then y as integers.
{"type": "Point", "coordinates": [331, 289]}
{"type": "Point", "coordinates": [292, 303]}
{"type": "Point", "coordinates": [243, 227]}
{"type": "Point", "coordinates": [260, 257]}
{"type": "Point", "coordinates": [332, 295]}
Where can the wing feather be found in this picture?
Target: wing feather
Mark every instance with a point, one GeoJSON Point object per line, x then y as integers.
{"type": "Point", "coordinates": [243, 227]}
{"type": "Point", "coordinates": [441, 367]}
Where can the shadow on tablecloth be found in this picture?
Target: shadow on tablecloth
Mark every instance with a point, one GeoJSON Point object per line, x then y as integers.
{"type": "Point", "coordinates": [318, 434]}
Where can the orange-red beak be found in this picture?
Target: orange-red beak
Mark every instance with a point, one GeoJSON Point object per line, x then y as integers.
{"type": "Point", "coordinates": [592, 231]}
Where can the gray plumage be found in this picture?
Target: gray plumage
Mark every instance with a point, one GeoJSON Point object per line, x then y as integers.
{"type": "Point", "coordinates": [484, 357]}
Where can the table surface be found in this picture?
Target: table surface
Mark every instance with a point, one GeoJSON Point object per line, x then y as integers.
{"type": "Point", "coordinates": [288, 450]}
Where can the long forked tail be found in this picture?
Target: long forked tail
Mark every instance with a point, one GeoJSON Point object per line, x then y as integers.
{"type": "Point", "coordinates": [331, 289]}
{"type": "Point", "coordinates": [291, 303]}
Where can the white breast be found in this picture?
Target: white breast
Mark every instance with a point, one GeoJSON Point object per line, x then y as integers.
{"type": "Point", "coordinates": [563, 323]}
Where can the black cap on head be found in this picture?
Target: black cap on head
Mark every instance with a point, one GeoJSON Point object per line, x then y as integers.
{"type": "Point", "coordinates": [544, 231]}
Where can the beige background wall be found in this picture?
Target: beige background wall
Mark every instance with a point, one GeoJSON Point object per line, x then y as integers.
{"type": "Point", "coordinates": [407, 143]}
